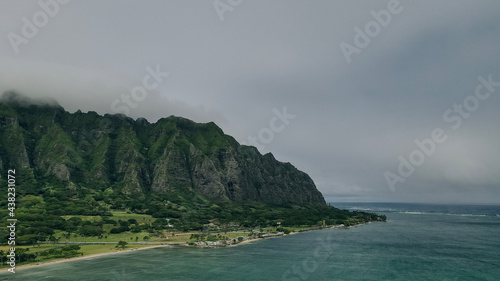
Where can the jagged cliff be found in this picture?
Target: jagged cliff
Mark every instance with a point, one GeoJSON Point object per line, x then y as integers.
{"type": "Point", "coordinates": [43, 141]}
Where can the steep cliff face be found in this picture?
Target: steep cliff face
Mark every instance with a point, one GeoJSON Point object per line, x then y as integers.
{"type": "Point", "coordinates": [139, 158]}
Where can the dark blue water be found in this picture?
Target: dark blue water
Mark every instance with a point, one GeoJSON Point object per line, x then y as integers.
{"type": "Point", "coordinates": [418, 242]}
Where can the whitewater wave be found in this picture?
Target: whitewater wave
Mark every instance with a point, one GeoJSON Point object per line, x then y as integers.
{"type": "Point", "coordinates": [466, 215]}
{"type": "Point", "coordinates": [444, 214]}
{"type": "Point", "coordinates": [361, 208]}
{"type": "Point", "coordinates": [356, 208]}
{"type": "Point", "coordinates": [416, 213]}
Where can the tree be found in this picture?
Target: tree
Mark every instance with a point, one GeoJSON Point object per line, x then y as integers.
{"type": "Point", "coordinates": [136, 229]}
{"type": "Point", "coordinates": [28, 239]}
{"type": "Point", "coordinates": [121, 244]}
{"type": "Point", "coordinates": [119, 229]}
{"type": "Point", "coordinates": [90, 230]}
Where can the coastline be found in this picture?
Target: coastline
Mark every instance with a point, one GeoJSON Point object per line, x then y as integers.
{"type": "Point", "coordinates": [246, 241]}
{"type": "Point", "coordinates": [24, 266]}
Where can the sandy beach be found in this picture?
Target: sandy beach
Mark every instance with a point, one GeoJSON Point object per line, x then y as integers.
{"type": "Point", "coordinates": [24, 266]}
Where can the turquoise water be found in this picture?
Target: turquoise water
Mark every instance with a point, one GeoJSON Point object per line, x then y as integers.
{"type": "Point", "coordinates": [418, 242]}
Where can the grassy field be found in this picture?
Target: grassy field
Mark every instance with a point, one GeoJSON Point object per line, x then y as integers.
{"type": "Point", "coordinates": [122, 215]}
{"type": "Point", "coordinates": [117, 215]}
{"type": "Point", "coordinates": [125, 236]}
{"type": "Point", "coordinates": [139, 237]}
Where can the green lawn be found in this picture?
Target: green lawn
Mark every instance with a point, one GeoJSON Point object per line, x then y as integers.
{"type": "Point", "coordinates": [117, 215]}
{"type": "Point", "coordinates": [131, 237]}
{"type": "Point", "coordinates": [122, 215]}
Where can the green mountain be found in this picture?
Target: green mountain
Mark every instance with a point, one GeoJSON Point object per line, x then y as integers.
{"type": "Point", "coordinates": [88, 164]}
{"type": "Point", "coordinates": [140, 158]}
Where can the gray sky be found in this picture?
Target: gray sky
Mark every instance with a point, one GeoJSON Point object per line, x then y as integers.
{"type": "Point", "coordinates": [352, 119]}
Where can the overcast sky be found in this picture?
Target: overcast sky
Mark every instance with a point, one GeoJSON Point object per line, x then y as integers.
{"type": "Point", "coordinates": [359, 100]}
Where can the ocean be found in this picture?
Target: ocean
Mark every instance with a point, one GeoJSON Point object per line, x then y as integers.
{"type": "Point", "coordinates": [418, 242]}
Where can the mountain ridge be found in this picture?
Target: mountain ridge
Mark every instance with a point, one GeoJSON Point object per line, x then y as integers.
{"type": "Point", "coordinates": [139, 158]}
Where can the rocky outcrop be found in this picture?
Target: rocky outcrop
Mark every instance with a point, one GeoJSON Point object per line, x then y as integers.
{"type": "Point", "coordinates": [207, 180]}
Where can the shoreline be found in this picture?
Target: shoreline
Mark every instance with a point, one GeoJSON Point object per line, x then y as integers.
{"type": "Point", "coordinates": [246, 241]}
{"type": "Point", "coordinates": [25, 266]}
